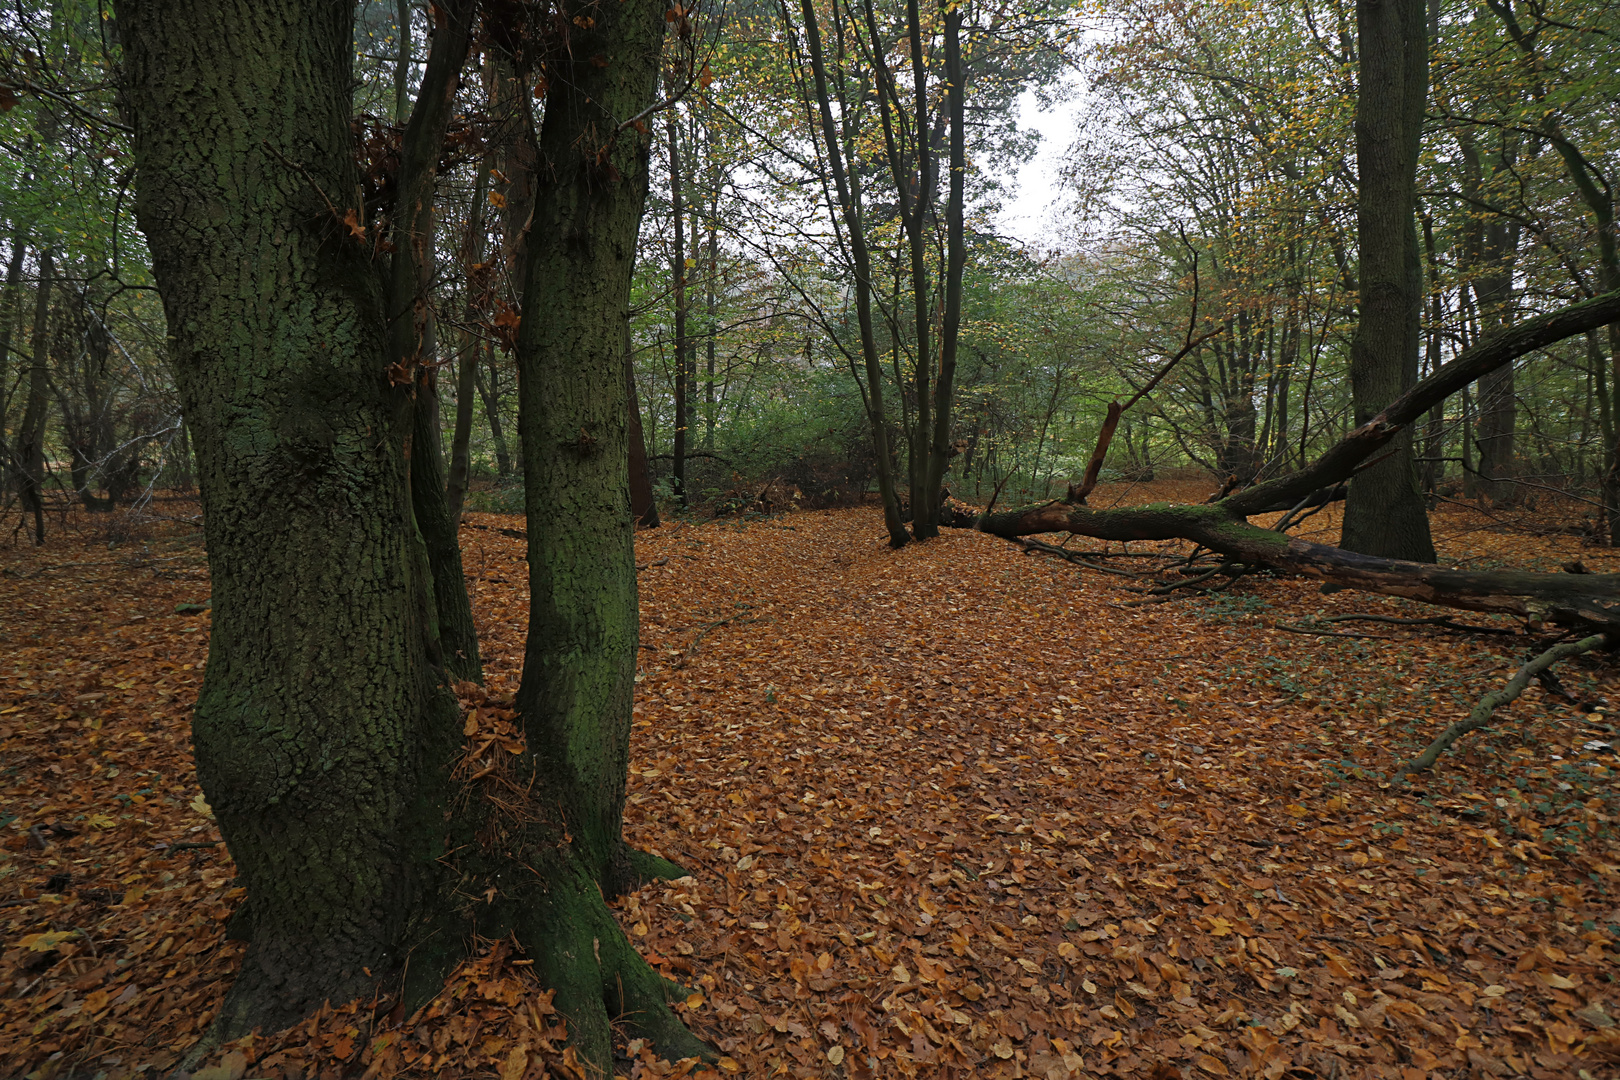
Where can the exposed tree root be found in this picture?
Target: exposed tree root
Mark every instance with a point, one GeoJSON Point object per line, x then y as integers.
{"type": "Point", "coordinates": [600, 980]}
{"type": "Point", "coordinates": [1481, 716]}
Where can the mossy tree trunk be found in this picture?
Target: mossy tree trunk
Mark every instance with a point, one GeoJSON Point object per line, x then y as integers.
{"type": "Point", "coordinates": [326, 738]}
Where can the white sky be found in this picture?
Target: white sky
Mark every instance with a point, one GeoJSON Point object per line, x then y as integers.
{"type": "Point", "coordinates": [1032, 211]}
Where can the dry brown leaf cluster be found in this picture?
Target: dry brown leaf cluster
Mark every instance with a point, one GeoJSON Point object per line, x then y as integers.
{"type": "Point", "coordinates": [948, 811]}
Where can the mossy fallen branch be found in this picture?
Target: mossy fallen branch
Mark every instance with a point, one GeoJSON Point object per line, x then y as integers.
{"type": "Point", "coordinates": [1481, 715]}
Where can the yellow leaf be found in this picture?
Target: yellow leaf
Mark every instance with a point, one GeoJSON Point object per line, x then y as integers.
{"type": "Point", "coordinates": [102, 821]}
{"type": "Point", "coordinates": [901, 975]}
{"type": "Point", "coordinates": [729, 1065]}
{"type": "Point", "coordinates": [47, 941]}
{"type": "Point", "coordinates": [695, 1001]}
{"type": "Point", "coordinates": [200, 804]}
{"type": "Point", "coordinates": [516, 1063]}
{"type": "Point", "coordinates": [1212, 1065]}
{"type": "Point", "coordinates": [836, 1055]}
{"type": "Point", "coordinates": [471, 726]}
{"type": "Point", "coordinates": [497, 199]}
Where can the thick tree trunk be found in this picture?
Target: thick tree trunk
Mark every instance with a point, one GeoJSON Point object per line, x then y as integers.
{"type": "Point", "coordinates": [1385, 513]}
{"type": "Point", "coordinates": [1576, 599]}
{"type": "Point", "coordinates": [319, 684]}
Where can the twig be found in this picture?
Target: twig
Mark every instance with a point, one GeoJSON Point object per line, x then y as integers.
{"type": "Point", "coordinates": [1434, 620]}
{"type": "Point", "coordinates": [1332, 633]}
{"type": "Point", "coordinates": [1076, 557]}
{"type": "Point", "coordinates": [1481, 716]}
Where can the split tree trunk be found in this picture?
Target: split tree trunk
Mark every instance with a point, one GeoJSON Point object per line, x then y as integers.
{"type": "Point", "coordinates": [326, 738]}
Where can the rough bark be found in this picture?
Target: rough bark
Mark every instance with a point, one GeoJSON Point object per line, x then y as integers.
{"type": "Point", "coordinates": [319, 685]}
{"type": "Point", "coordinates": [1385, 513]}
{"type": "Point", "coordinates": [580, 661]}
{"type": "Point", "coordinates": [1222, 526]}
{"type": "Point", "coordinates": [326, 740]}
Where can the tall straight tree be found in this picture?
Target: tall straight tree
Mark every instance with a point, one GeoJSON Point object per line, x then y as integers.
{"type": "Point", "coordinates": [326, 738]}
{"type": "Point", "coordinates": [1385, 512]}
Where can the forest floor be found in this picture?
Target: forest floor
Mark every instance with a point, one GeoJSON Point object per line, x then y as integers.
{"type": "Point", "coordinates": [949, 811]}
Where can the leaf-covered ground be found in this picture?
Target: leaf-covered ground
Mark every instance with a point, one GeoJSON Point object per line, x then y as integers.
{"type": "Point", "coordinates": [949, 811]}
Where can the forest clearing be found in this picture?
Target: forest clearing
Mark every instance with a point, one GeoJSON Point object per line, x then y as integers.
{"type": "Point", "coordinates": [948, 811]}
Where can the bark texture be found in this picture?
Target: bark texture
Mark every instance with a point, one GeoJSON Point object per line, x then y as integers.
{"type": "Point", "coordinates": [320, 714]}
{"type": "Point", "coordinates": [326, 739]}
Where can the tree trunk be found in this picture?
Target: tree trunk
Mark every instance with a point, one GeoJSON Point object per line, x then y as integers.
{"type": "Point", "coordinates": [677, 276]}
{"type": "Point", "coordinates": [490, 393]}
{"type": "Point", "coordinates": [580, 662]}
{"type": "Point", "coordinates": [9, 302]}
{"type": "Point", "coordinates": [643, 505]}
{"type": "Point", "coordinates": [31, 436]}
{"type": "Point", "coordinates": [1385, 513]}
{"type": "Point", "coordinates": [326, 740]}
{"type": "Point", "coordinates": [472, 257]}
{"type": "Point", "coordinates": [412, 337]}
{"type": "Point", "coordinates": [849, 212]}
{"type": "Point", "coordinates": [928, 503]}
{"type": "Point", "coordinates": [319, 684]}
{"type": "Point", "coordinates": [1498, 401]}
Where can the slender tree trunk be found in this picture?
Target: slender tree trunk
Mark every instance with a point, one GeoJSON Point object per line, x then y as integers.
{"type": "Point", "coordinates": [490, 394]}
{"type": "Point", "coordinates": [925, 522]}
{"type": "Point", "coordinates": [1385, 513]}
{"type": "Point", "coordinates": [643, 505]}
{"type": "Point", "coordinates": [1498, 402]}
{"type": "Point", "coordinates": [849, 211]}
{"type": "Point", "coordinates": [677, 277]}
{"type": "Point", "coordinates": [472, 257]}
{"type": "Point", "coordinates": [31, 436]}
{"type": "Point", "coordinates": [412, 338]}
{"type": "Point", "coordinates": [9, 303]}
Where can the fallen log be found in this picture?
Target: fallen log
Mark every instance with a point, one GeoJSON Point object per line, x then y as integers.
{"type": "Point", "coordinates": [1581, 600]}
